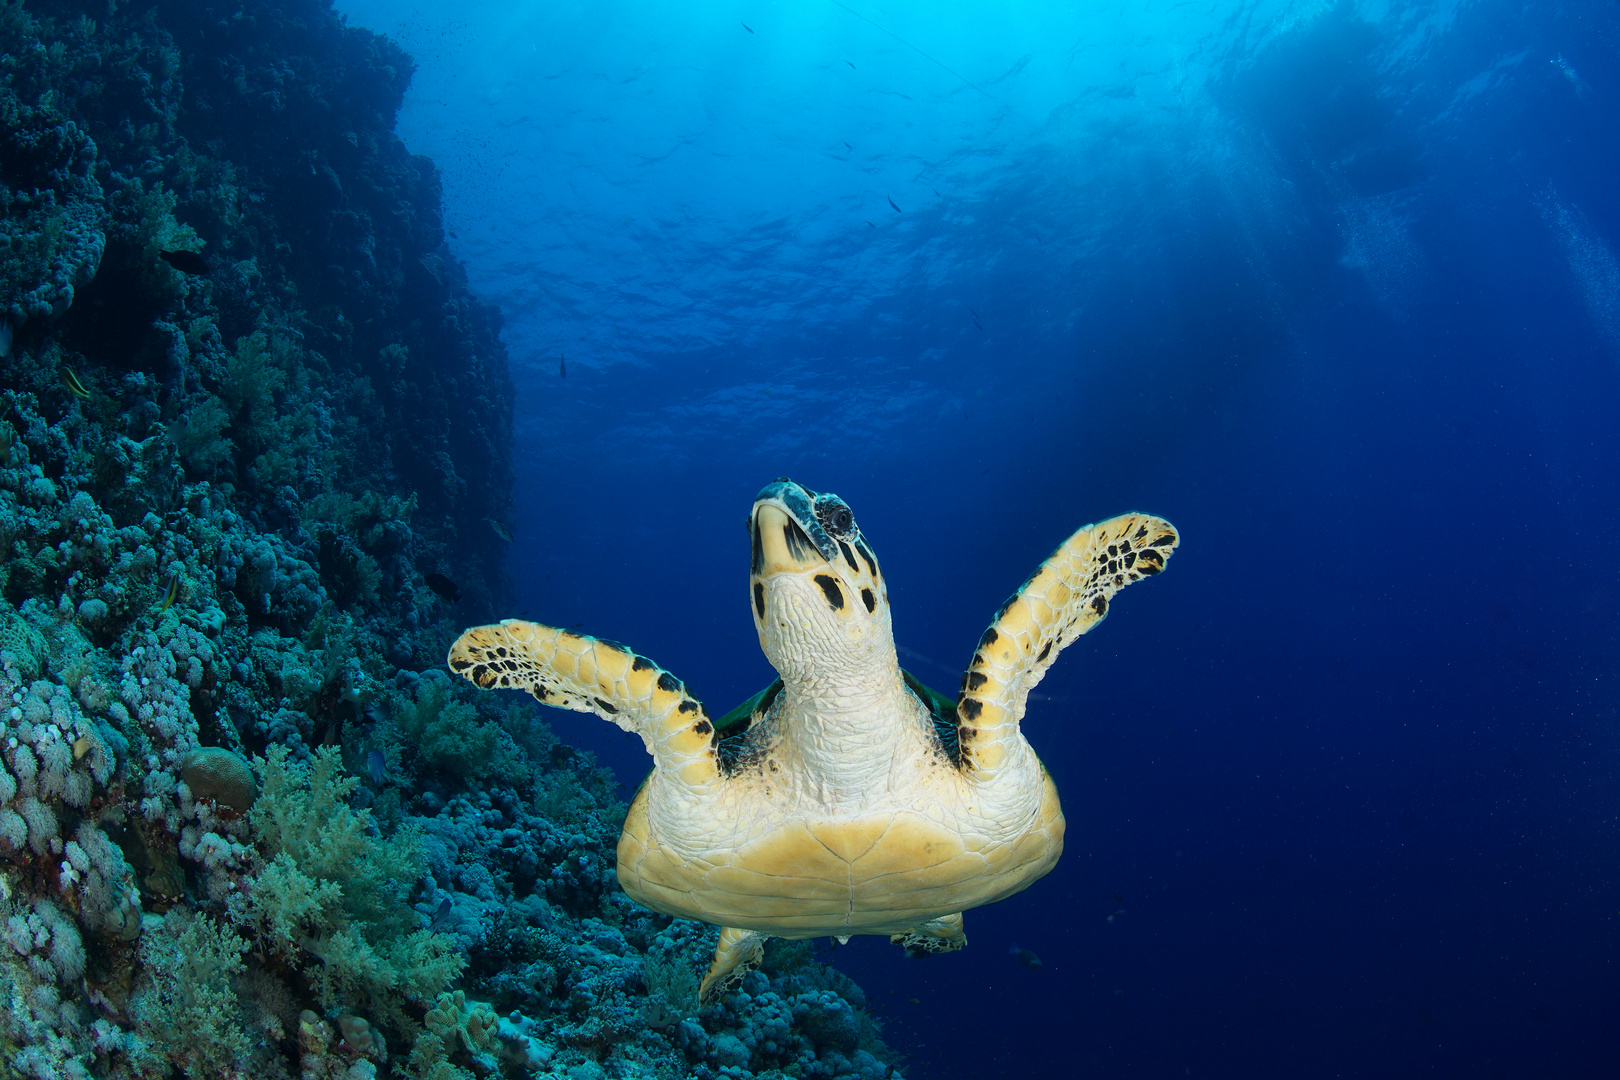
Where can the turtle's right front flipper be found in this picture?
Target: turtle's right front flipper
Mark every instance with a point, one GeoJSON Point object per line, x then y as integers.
{"type": "Point", "coordinates": [587, 674]}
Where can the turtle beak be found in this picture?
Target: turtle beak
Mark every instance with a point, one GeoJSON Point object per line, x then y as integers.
{"type": "Point", "coordinates": [780, 545]}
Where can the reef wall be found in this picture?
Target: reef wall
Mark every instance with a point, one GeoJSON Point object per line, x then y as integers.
{"type": "Point", "coordinates": [255, 461]}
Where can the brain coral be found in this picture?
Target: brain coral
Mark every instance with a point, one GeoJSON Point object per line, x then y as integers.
{"type": "Point", "coordinates": [220, 774]}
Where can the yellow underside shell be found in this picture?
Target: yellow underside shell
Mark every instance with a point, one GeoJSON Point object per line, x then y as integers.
{"type": "Point", "coordinates": [882, 872]}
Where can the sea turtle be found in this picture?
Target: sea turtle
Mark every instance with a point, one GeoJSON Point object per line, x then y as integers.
{"type": "Point", "coordinates": [846, 797]}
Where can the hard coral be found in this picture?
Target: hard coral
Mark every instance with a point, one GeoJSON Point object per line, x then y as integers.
{"type": "Point", "coordinates": [216, 773]}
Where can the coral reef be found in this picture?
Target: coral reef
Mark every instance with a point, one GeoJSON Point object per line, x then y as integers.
{"type": "Point", "coordinates": [247, 407]}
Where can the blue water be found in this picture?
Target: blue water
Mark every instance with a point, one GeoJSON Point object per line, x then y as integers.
{"type": "Point", "coordinates": [1333, 288]}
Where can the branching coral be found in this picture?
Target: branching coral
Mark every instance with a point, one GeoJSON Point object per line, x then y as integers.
{"type": "Point", "coordinates": [450, 736]}
{"type": "Point", "coordinates": [185, 1009]}
{"type": "Point", "coordinates": [334, 892]}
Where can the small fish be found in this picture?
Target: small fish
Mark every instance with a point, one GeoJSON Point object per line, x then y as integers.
{"type": "Point", "coordinates": [187, 262]}
{"type": "Point", "coordinates": [746, 27]}
{"type": "Point", "coordinates": [375, 763]}
{"type": "Point", "coordinates": [499, 529]}
{"type": "Point", "coordinates": [443, 586]}
{"type": "Point", "coordinates": [71, 381]}
{"type": "Point", "coordinates": [977, 323]}
{"type": "Point", "coordinates": [5, 339]}
{"type": "Point", "coordinates": [851, 64]}
{"type": "Point", "coordinates": [169, 594]}
{"type": "Point", "coordinates": [869, 225]}
{"type": "Point", "coordinates": [6, 435]}
{"type": "Point", "coordinates": [1025, 957]}
{"type": "Point", "coordinates": [848, 147]}
{"type": "Point", "coordinates": [915, 1001]}
{"type": "Point", "coordinates": [562, 366]}
{"type": "Point", "coordinates": [441, 916]}
{"type": "Point", "coordinates": [896, 208]}
{"type": "Point", "coordinates": [453, 235]}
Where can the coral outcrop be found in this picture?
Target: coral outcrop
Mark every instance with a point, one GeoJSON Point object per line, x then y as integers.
{"type": "Point", "coordinates": [247, 408]}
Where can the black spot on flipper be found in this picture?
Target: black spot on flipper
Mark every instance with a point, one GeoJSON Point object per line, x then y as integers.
{"type": "Point", "coordinates": [703, 727]}
{"type": "Point", "coordinates": [990, 637]}
{"type": "Point", "coordinates": [1167, 540]}
{"type": "Point", "coordinates": [1099, 604]}
{"type": "Point", "coordinates": [830, 589]}
{"type": "Point", "coordinates": [868, 600]}
{"type": "Point", "coordinates": [1119, 580]}
{"type": "Point", "coordinates": [1129, 560]}
{"type": "Point", "coordinates": [1141, 531]}
{"type": "Point", "coordinates": [606, 706]}
{"type": "Point", "coordinates": [759, 599]}
{"type": "Point", "coordinates": [540, 691]}
{"type": "Point", "coordinates": [849, 557]}
{"type": "Point", "coordinates": [1113, 550]}
{"type": "Point", "coordinates": [641, 663]}
{"type": "Point", "coordinates": [970, 708]}
{"type": "Point", "coordinates": [460, 664]}
{"type": "Point", "coordinates": [687, 706]}
{"type": "Point", "coordinates": [500, 650]}
{"type": "Point", "coordinates": [759, 550]}
{"type": "Point", "coordinates": [1151, 562]}
{"type": "Point", "coordinates": [1046, 651]}
{"type": "Point", "coordinates": [668, 683]}
{"type": "Point", "coordinates": [974, 680]}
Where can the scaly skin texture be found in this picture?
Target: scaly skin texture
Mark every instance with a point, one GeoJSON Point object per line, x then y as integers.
{"type": "Point", "coordinates": [841, 810]}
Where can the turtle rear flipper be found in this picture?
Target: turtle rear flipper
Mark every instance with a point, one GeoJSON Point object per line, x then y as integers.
{"type": "Point", "coordinates": [1067, 596]}
{"type": "Point", "coordinates": [943, 934]}
{"type": "Point", "coordinates": [587, 674]}
{"type": "Point", "coordinates": [738, 953]}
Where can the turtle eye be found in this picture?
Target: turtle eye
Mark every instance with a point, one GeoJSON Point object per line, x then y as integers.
{"type": "Point", "coordinates": [836, 517]}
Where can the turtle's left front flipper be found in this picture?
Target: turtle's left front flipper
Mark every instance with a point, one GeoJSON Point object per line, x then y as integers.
{"type": "Point", "coordinates": [587, 674]}
{"type": "Point", "coordinates": [1067, 596]}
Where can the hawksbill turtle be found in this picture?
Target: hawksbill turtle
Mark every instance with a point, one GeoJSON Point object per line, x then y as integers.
{"type": "Point", "coordinates": [846, 797]}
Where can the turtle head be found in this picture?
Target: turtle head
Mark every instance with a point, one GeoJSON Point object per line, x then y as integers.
{"type": "Point", "coordinates": [818, 599]}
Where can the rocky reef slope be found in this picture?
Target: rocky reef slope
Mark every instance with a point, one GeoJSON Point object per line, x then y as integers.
{"type": "Point", "coordinates": [254, 464]}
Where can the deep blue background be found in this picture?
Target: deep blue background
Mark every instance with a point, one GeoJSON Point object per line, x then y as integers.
{"type": "Point", "coordinates": [1332, 288]}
